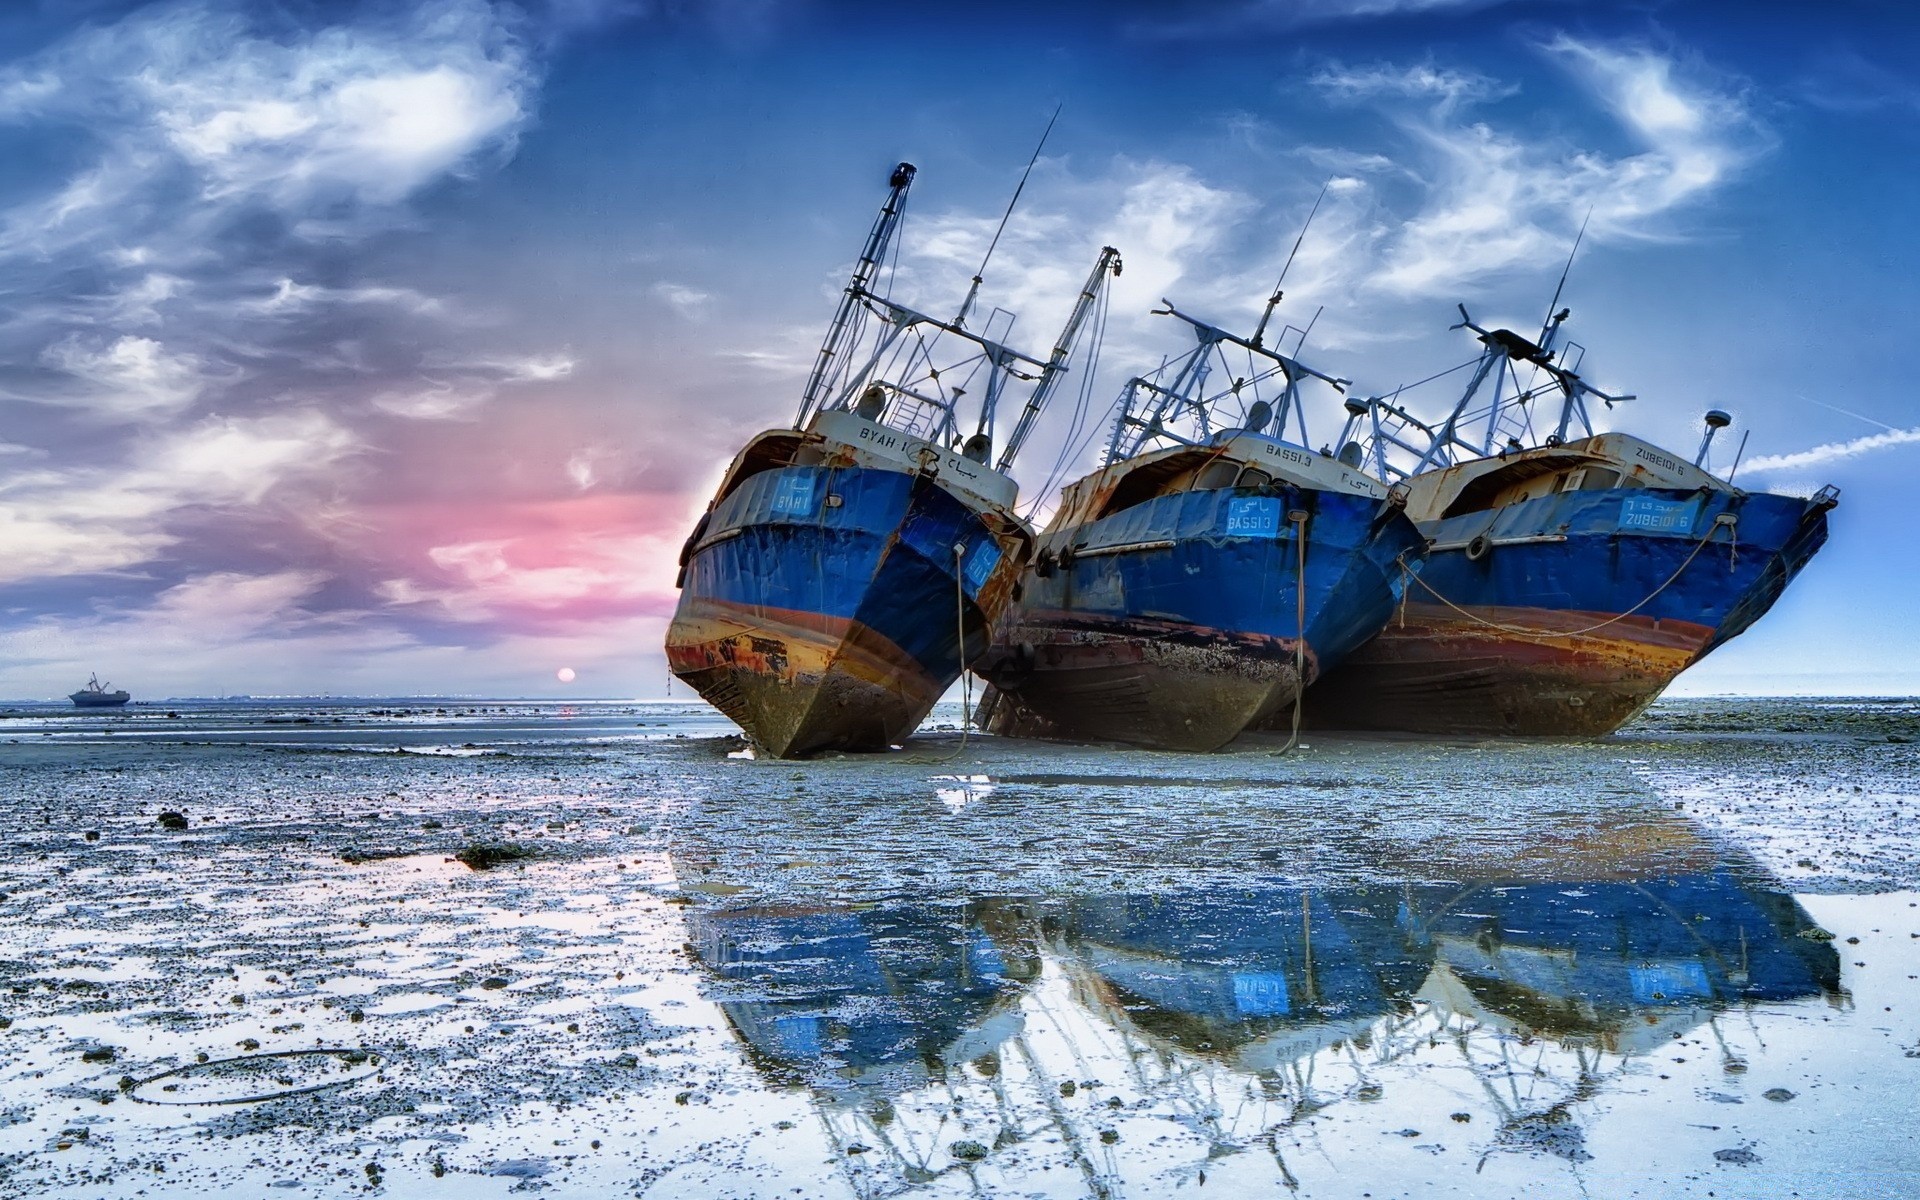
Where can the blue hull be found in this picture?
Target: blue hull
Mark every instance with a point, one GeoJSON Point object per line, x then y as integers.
{"type": "Point", "coordinates": [1573, 611]}
{"type": "Point", "coordinates": [1582, 960]}
{"type": "Point", "coordinates": [887, 995]}
{"type": "Point", "coordinates": [820, 610]}
{"type": "Point", "coordinates": [1174, 623]}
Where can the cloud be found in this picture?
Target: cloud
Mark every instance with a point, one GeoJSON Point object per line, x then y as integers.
{"type": "Point", "coordinates": [1423, 82]}
{"type": "Point", "coordinates": [1216, 20]}
{"type": "Point", "coordinates": [214, 631]}
{"type": "Point", "coordinates": [130, 376]}
{"type": "Point", "coordinates": [550, 564]}
{"type": "Point", "coordinates": [89, 519]}
{"type": "Point", "coordinates": [1495, 198]}
{"type": "Point", "coordinates": [532, 369]}
{"type": "Point", "coordinates": [139, 303]}
{"type": "Point", "coordinates": [1828, 452]}
{"type": "Point", "coordinates": [1163, 215]}
{"type": "Point", "coordinates": [367, 113]}
{"type": "Point", "coordinates": [1846, 81]}
{"type": "Point", "coordinates": [552, 581]}
{"type": "Point", "coordinates": [233, 460]}
{"type": "Point", "coordinates": [293, 299]}
{"type": "Point", "coordinates": [437, 402]}
{"type": "Point", "coordinates": [690, 303]}
{"type": "Point", "coordinates": [233, 604]}
{"type": "Point", "coordinates": [479, 382]}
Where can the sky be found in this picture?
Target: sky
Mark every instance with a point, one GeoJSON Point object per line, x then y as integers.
{"type": "Point", "coordinates": [376, 348]}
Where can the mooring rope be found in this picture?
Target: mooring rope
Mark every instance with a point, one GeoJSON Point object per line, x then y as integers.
{"type": "Point", "coordinates": [1299, 519]}
{"type": "Point", "coordinates": [960, 649]}
{"type": "Point", "coordinates": [1409, 574]}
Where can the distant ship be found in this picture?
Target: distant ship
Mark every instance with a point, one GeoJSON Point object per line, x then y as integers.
{"type": "Point", "coordinates": [96, 695]}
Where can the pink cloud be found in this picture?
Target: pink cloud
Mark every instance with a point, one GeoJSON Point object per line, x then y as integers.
{"type": "Point", "coordinates": [533, 564]}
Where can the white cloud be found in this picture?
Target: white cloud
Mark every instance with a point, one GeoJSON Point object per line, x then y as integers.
{"type": "Point", "coordinates": [1163, 216]}
{"type": "Point", "coordinates": [291, 299]}
{"type": "Point", "coordinates": [239, 460]}
{"type": "Point", "coordinates": [231, 604]}
{"type": "Point", "coordinates": [690, 303]}
{"type": "Point", "coordinates": [139, 304]}
{"type": "Point", "coordinates": [90, 519]}
{"type": "Point", "coordinates": [368, 112]}
{"type": "Point", "coordinates": [1496, 198]}
{"type": "Point", "coordinates": [331, 126]}
{"type": "Point", "coordinates": [1828, 452]}
{"type": "Point", "coordinates": [532, 369]}
{"type": "Point", "coordinates": [1296, 14]}
{"type": "Point", "coordinates": [130, 376]}
{"type": "Point", "coordinates": [1422, 82]}
{"type": "Point", "coordinates": [479, 383]}
{"type": "Point", "coordinates": [587, 574]}
{"type": "Point", "coordinates": [580, 469]}
{"type": "Point", "coordinates": [438, 402]}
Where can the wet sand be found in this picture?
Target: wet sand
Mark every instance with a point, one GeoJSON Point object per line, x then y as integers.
{"type": "Point", "coordinates": [1681, 961]}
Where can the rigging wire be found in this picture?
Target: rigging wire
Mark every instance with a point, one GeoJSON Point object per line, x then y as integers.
{"type": "Point", "coordinates": [1020, 187]}
{"type": "Point", "coordinates": [1079, 434]}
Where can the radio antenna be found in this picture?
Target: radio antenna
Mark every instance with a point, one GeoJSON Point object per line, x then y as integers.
{"type": "Point", "coordinates": [1551, 321]}
{"type": "Point", "coordinates": [1273, 301]}
{"type": "Point", "coordinates": [973, 293]}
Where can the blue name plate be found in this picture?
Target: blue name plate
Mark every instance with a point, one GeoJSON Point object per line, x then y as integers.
{"type": "Point", "coordinates": [794, 495]}
{"type": "Point", "coordinates": [1254, 516]}
{"type": "Point", "coordinates": [1651, 514]}
{"type": "Point", "coordinates": [980, 564]}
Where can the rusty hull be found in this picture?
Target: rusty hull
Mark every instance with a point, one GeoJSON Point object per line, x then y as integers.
{"type": "Point", "coordinates": [1150, 684]}
{"type": "Point", "coordinates": [800, 682]}
{"type": "Point", "coordinates": [1434, 671]}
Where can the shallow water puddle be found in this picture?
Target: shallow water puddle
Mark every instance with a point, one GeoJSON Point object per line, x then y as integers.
{"type": "Point", "coordinates": [1374, 968]}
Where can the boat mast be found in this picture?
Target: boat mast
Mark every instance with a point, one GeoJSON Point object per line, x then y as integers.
{"type": "Point", "coordinates": [1189, 382]}
{"type": "Point", "coordinates": [858, 289]}
{"type": "Point", "coordinates": [1108, 265]}
{"type": "Point", "coordinates": [1187, 390]}
{"type": "Point", "coordinates": [1502, 349]}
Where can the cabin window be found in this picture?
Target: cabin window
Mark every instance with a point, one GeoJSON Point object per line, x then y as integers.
{"type": "Point", "coordinates": [769, 452]}
{"type": "Point", "coordinates": [1254, 477]}
{"type": "Point", "coordinates": [809, 456]}
{"type": "Point", "coordinates": [1143, 484]}
{"type": "Point", "coordinates": [1600, 478]}
{"type": "Point", "coordinates": [1216, 474]}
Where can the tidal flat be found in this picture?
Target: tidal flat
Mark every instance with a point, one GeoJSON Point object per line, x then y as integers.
{"type": "Point", "coordinates": [480, 948]}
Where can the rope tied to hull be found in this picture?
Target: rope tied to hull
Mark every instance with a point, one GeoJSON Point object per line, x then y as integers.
{"type": "Point", "coordinates": [1408, 574]}
{"type": "Point", "coordinates": [1299, 519]}
{"type": "Point", "coordinates": [960, 650]}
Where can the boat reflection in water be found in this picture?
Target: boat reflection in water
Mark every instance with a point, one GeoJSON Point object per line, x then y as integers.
{"type": "Point", "coordinates": [868, 1000]}
{"type": "Point", "coordinates": [1008, 1037]}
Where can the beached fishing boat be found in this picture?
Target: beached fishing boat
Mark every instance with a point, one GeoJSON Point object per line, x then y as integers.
{"type": "Point", "coordinates": [96, 695]}
{"type": "Point", "coordinates": [1210, 570]}
{"type": "Point", "coordinates": [850, 566]}
{"type": "Point", "coordinates": [1571, 575]}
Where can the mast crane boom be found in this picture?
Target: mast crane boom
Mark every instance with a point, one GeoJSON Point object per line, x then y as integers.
{"type": "Point", "coordinates": [858, 288]}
